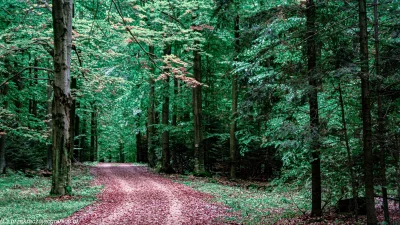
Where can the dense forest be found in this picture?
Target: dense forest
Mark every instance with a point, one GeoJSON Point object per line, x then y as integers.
{"type": "Point", "coordinates": [299, 93]}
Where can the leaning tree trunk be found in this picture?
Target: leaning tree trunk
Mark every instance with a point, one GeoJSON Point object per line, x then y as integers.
{"type": "Point", "coordinates": [151, 116]}
{"type": "Point", "coordinates": [166, 157]}
{"type": "Point", "coordinates": [314, 115]}
{"type": "Point", "coordinates": [366, 115]}
{"type": "Point", "coordinates": [197, 115]}
{"type": "Point", "coordinates": [62, 26]}
{"type": "Point", "coordinates": [349, 155]}
{"type": "Point", "coordinates": [233, 141]}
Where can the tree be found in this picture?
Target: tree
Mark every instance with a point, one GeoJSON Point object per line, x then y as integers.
{"type": "Point", "coordinates": [62, 149]}
{"type": "Point", "coordinates": [166, 156]}
{"type": "Point", "coordinates": [197, 114]}
{"type": "Point", "coordinates": [314, 115]}
{"type": "Point", "coordinates": [366, 115]}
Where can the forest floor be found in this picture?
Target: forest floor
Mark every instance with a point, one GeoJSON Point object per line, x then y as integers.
{"type": "Point", "coordinates": [134, 195]}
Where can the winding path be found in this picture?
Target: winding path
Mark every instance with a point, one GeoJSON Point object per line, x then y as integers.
{"type": "Point", "coordinates": [134, 195]}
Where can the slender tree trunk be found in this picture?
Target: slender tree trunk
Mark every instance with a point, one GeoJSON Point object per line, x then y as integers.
{"type": "Point", "coordinates": [72, 116]}
{"type": "Point", "coordinates": [349, 155]}
{"type": "Point", "coordinates": [197, 115]}
{"type": "Point", "coordinates": [77, 123]}
{"type": "Point", "coordinates": [35, 76]}
{"type": "Point", "coordinates": [174, 120]}
{"type": "Point", "coordinates": [93, 133]}
{"type": "Point", "coordinates": [3, 91]}
{"type": "Point", "coordinates": [83, 151]}
{"type": "Point", "coordinates": [49, 124]}
{"type": "Point", "coordinates": [139, 147]}
{"type": "Point", "coordinates": [314, 114]}
{"type": "Point", "coordinates": [233, 141]}
{"type": "Point", "coordinates": [381, 117]}
{"type": "Point", "coordinates": [152, 158]}
{"type": "Point", "coordinates": [366, 116]}
{"type": "Point", "coordinates": [62, 26]}
{"type": "Point", "coordinates": [166, 157]}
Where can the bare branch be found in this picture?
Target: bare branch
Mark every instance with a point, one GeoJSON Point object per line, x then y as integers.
{"type": "Point", "coordinates": [20, 72]}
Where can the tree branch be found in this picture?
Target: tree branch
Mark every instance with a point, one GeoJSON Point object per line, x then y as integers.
{"type": "Point", "coordinates": [20, 72]}
{"type": "Point", "coordinates": [134, 37]}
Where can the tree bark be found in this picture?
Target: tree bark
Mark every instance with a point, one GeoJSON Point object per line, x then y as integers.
{"type": "Point", "coordinates": [83, 151]}
{"type": "Point", "coordinates": [93, 133]}
{"type": "Point", "coordinates": [314, 114]}
{"type": "Point", "coordinates": [199, 168]}
{"type": "Point", "coordinates": [349, 155]}
{"type": "Point", "coordinates": [152, 158]}
{"type": "Point", "coordinates": [62, 27]}
{"type": "Point", "coordinates": [50, 124]}
{"type": "Point", "coordinates": [381, 117]}
{"type": "Point", "coordinates": [35, 76]}
{"type": "Point", "coordinates": [233, 141]}
{"type": "Point", "coordinates": [166, 157]}
{"type": "Point", "coordinates": [139, 147]}
{"type": "Point", "coordinates": [366, 115]}
{"type": "Point", "coordinates": [3, 91]}
{"type": "Point", "coordinates": [72, 116]}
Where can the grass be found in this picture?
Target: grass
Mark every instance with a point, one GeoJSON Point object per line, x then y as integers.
{"type": "Point", "coordinates": [252, 206]}
{"type": "Point", "coordinates": [27, 200]}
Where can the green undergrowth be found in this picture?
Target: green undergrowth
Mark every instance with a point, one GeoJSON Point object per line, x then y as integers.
{"type": "Point", "coordinates": [249, 203]}
{"type": "Point", "coordinates": [25, 200]}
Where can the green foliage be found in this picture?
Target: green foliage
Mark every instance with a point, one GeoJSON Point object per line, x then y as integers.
{"type": "Point", "coordinates": [26, 199]}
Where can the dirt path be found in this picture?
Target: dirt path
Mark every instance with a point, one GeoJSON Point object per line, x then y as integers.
{"type": "Point", "coordinates": [133, 195]}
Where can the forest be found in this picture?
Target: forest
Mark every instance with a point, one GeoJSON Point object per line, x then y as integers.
{"type": "Point", "coordinates": [271, 95]}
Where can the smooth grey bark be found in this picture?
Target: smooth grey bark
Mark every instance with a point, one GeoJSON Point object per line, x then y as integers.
{"type": "Point", "coordinates": [62, 149]}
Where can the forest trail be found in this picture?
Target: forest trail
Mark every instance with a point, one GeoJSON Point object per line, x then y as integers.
{"type": "Point", "coordinates": [134, 195]}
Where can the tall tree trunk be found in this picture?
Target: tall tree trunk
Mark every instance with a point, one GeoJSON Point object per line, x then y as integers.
{"type": "Point", "coordinates": [349, 155]}
{"type": "Point", "coordinates": [62, 26]}
{"type": "Point", "coordinates": [197, 115]}
{"type": "Point", "coordinates": [72, 116]}
{"type": "Point", "coordinates": [35, 76]}
{"type": "Point", "coordinates": [366, 115]}
{"type": "Point", "coordinates": [50, 102]}
{"type": "Point", "coordinates": [174, 120]}
{"type": "Point", "coordinates": [166, 157]}
{"type": "Point", "coordinates": [233, 141]}
{"type": "Point", "coordinates": [3, 91]}
{"type": "Point", "coordinates": [152, 158]}
{"type": "Point", "coordinates": [381, 117]}
{"type": "Point", "coordinates": [77, 140]}
{"type": "Point", "coordinates": [93, 133]}
{"type": "Point", "coordinates": [314, 114]}
{"type": "Point", "coordinates": [139, 147]}
{"type": "Point", "coordinates": [83, 150]}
